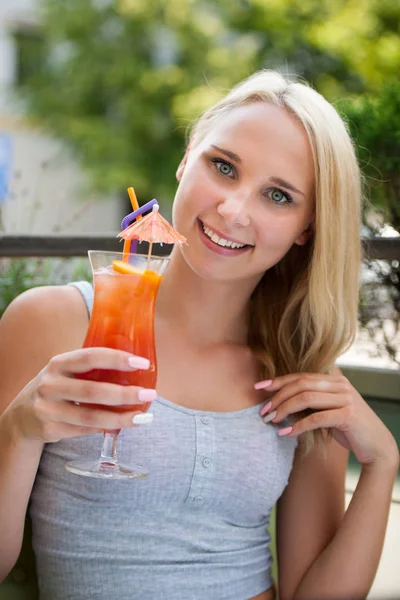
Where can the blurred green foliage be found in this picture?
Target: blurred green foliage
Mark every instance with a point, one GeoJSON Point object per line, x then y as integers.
{"type": "Point", "coordinates": [17, 276]}
{"type": "Point", "coordinates": [374, 123]}
{"type": "Point", "coordinates": [122, 79]}
{"type": "Point", "coordinates": [20, 274]}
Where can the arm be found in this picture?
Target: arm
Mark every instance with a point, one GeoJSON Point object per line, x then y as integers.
{"type": "Point", "coordinates": [42, 398]}
{"type": "Point", "coordinates": [322, 555]}
{"type": "Point", "coordinates": [27, 343]}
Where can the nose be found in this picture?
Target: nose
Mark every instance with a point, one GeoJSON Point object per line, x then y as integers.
{"type": "Point", "coordinates": [235, 210]}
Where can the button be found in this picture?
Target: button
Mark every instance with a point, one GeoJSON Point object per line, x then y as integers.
{"type": "Point", "coordinates": [205, 420]}
{"type": "Point", "coordinates": [207, 462]}
{"type": "Point", "coordinates": [198, 499]}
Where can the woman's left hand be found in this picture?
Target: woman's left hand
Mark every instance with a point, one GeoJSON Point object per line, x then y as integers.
{"type": "Point", "coordinates": [337, 405]}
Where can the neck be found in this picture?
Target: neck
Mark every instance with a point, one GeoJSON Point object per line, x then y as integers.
{"type": "Point", "coordinates": [208, 312]}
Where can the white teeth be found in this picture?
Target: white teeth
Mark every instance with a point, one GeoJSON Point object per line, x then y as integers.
{"type": "Point", "coordinates": [220, 241]}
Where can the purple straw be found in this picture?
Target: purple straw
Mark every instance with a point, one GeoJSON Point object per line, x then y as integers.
{"type": "Point", "coordinates": [126, 221]}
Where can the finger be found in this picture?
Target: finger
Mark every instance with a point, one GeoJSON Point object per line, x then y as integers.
{"type": "Point", "coordinates": [319, 420]}
{"type": "Point", "coordinates": [278, 382]}
{"type": "Point", "coordinates": [95, 418]}
{"type": "Point", "coordinates": [302, 384]}
{"type": "Point", "coordinates": [59, 431]}
{"type": "Point", "coordinates": [93, 392]}
{"type": "Point", "coordinates": [62, 431]}
{"type": "Point", "coordinates": [86, 359]}
{"type": "Point", "coordinates": [307, 400]}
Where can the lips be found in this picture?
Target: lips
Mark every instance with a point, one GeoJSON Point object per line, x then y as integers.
{"type": "Point", "coordinates": [222, 236]}
{"type": "Point", "coordinates": [228, 247]}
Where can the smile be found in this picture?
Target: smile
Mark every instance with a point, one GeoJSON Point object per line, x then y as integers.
{"type": "Point", "coordinates": [220, 240]}
{"type": "Point", "coordinates": [225, 246]}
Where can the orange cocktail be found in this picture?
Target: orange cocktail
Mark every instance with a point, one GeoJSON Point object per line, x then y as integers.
{"type": "Point", "coordinates": [123, 318]}
{"type": "Point", "coordinates": [125, 290]}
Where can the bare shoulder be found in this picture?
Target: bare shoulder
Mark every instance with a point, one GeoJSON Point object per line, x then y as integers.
{"type": "Point", "coordinates": [45, 308]}
{"type": "Point", "coordinates": [39, 324]}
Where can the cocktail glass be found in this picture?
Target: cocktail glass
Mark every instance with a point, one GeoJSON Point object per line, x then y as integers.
{"type": "Point", "coordinates": [125, 290]}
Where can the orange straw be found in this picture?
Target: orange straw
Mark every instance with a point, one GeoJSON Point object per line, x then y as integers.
{"type": "Point", "coordinates": [135, 206]}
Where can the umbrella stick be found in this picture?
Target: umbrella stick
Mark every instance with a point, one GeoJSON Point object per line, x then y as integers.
{"type": "Point", "coordinates": [149, 255]}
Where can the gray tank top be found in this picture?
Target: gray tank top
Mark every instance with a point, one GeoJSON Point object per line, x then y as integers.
{"type": "Point", "coordinates": [195, 529]}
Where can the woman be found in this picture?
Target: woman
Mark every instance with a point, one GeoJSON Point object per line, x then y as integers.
{"type": "Point", "coordinates": [250, 318]}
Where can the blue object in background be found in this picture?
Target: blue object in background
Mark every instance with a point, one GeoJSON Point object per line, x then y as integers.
{"type": "Point", "coordinates": [5, 164]}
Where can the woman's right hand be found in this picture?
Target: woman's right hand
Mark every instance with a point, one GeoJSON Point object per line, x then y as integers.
{"type": "Point", "coordinates": [56, 404]}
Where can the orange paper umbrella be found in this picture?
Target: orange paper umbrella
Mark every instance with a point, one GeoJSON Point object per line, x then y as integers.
{"type": "Point", "coordinates": [153, 229]}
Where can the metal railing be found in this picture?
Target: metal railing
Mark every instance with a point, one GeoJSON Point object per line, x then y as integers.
{"type": "Point", "coordinates": [19, 246]}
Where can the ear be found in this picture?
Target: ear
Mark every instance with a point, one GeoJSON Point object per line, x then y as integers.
{"type": "Point", "coordinates": [182, 165]}
{"type": "Point", "coordinates": [305, 235]}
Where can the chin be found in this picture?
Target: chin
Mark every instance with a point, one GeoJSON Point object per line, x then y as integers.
{"type": "Point", "coordinates": [215, 271]}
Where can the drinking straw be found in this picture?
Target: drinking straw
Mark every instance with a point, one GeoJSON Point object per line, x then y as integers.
{"type": "Point", "coordinates": [126, 221]}
{"type": "Point", "coordinates": [133, 199]}
{"type": "Point", "coordinates": [127, 243]}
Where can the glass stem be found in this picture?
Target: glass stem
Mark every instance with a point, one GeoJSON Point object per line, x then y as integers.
{"type": "Point", "coordinates": [109, 450]}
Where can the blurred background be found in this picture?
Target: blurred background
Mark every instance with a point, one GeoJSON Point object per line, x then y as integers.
{"type": "Point", "coordinates": [98, 95]}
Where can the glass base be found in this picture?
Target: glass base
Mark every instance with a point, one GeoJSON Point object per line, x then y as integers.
{"type": "Point", "coordinates": [105, 470]}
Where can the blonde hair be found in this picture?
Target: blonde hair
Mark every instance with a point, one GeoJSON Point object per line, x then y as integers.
{"type": "Point", "coordinates": [303, 313]}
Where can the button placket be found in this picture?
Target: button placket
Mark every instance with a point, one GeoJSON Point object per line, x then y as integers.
{"type": "Point", "coordinates": [201, 480]}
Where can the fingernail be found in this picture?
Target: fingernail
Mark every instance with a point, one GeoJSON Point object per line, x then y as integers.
{"type": "Point", "coordinates": [269, 417]}
{"type": "Point", "coordinates": [262, 384]}
{"type": "Point", "coordinates": [266, 408]}
{"type": "Point", "coordinates": [147, 395]}
{"type": "Point", "coordinates": [285, 431]}
{"type": "Point", "coordinates": [142, 419]}
{"type": "Point", "coordinates": [138, 362]}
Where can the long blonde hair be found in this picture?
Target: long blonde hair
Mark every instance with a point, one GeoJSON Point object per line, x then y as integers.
{"type": "Point", "coordinates": [303, 313]}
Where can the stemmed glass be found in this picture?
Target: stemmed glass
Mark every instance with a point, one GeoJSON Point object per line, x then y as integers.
{"type": "Point", "coordinates": [125, 290]}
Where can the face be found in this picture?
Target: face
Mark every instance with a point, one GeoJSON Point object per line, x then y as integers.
{"type": "Point", "coordinates": [245, 193]}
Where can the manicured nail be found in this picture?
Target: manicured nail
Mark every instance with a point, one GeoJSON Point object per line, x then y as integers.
{"type": "Point", "coordinates": [269, 417]}
{"type": "Point", "coordinates": [138, 362]}
{"type": "Point", "coordinates": [285, 431]}
{"type": "Point", "coordinates": [266, 408]}
{"type": "Point", "coordinates": [142, 419]}
{"type": "Point", "coordinates": [262, 384]}
{"type": "Point", "coordinates": [147, 395]}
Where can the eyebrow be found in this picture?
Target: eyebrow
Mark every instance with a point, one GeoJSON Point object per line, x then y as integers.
{"type": "Point", "coordinates": [286, 185]}
{"type": "Point", "coordinates": [277, 180]}
{"type": "Point", "coordinates": [228, 153]}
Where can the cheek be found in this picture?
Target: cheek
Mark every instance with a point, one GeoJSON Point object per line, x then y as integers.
{"type": "Point", "coordinates": [278, 233]}
{"type": "Point", "coordinates": [196, 193]}
{"type": "Point", "coordinates": [277, 237]}
{"type": "Point", "coordinates": [181, 207]}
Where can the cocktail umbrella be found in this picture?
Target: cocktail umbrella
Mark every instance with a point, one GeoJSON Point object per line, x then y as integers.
{"type": "Point", "coordinates": [152, 228]}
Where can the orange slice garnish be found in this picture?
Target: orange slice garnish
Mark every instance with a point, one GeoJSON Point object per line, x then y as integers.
{"type": "Point", "coordinates": [125, 268]}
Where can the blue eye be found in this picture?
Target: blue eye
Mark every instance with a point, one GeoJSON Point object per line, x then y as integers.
{"type": "Point", "coordinates": [223, 167]}
{"type": "Point", "coordinates": [279, 197]}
